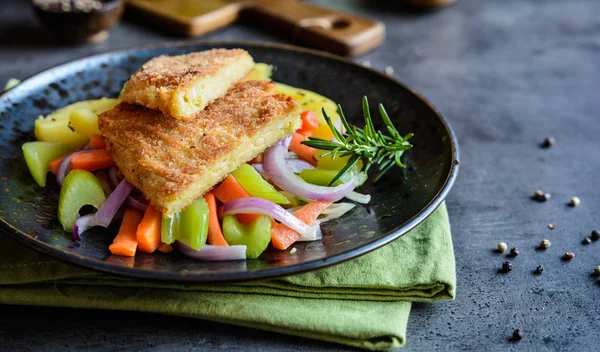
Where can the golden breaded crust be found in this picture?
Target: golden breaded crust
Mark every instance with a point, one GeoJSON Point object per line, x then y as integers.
{"type": "Point", "coordinates": [181, 86]}
{"type": "Point", "coordinates": [174, 162]}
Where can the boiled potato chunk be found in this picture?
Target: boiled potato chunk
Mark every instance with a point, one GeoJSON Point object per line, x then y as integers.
{"type": "Point", "coordinates": [85, 122]}
{"type": "Point", "coordinates": [56, 126]}
{"type": "Point", "coordinates": [260, 72]}
{"type": "Point", "coordinates": [307, 99]}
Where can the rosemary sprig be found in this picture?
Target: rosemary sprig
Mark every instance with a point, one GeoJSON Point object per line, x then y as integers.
{"type": "Point", "coordinates": [366, 144]}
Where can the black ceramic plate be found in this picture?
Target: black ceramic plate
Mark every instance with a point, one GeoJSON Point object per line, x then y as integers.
{"type": "Point", "coordinates": [403, 199]}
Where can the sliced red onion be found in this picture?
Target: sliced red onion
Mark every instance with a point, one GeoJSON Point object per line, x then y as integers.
{"type": "Point", "coordinates": [213, 253]}
{"type": "Point", "coordinates": [286, 142]}
{"type": "Point", "coordinates": [359, 197]}
{"type": "Point", "coordinates": [314, 235]}
{"type": "Point", "coordinates": [335, 211]}
{"type": "Point", "coordinates": [104, 216]}
{"type": "Point", "coordinates": [65, 165]}
{"type": "Point", "coordinates": [295, 165]}
{"type": "Point", "coordinates": [82, 224]}
{"type": "Point", "coordinates": [285, 179]}
{"type": "Point", "coordinates": [291, 155]}
{"type": "Point", "coordinates": [261, 170]}
{"type": "Point", "coordinates": [134, 203]}
{"type": "Point", "coordinates": [253, 205]}
{"type": "Point", "coordinates": [112, 172]}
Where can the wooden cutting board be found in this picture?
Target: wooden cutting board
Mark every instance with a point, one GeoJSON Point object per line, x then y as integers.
{"type": "Point", "coordinates": [317, 27]}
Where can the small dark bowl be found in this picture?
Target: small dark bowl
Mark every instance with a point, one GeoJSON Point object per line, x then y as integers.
{"type": "Point", "coordinates": [76, 26]}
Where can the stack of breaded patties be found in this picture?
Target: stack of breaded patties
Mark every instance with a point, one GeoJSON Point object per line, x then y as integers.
{"type": "Point", "coordinates": [186, 122]}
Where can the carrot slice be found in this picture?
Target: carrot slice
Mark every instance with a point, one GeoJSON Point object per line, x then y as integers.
{"type": "Point", "coordinates": [148, 231]}
{"type": "Point", "coordinates": [97, 142]}
{"type": "Point", "coordinates": [55, 164]}
{"type": "Point", "coordinates": [305, 152]}
{"type": "Point", "coordinates": [92, 160]}
{"type": "Point", "coordinates": [230, 189]}
{"type": "Point", "coordinates": [125, 243]}
{"type": "Point", "coordinates": [282, 236]}
{"type": "Point", "coordinates": [310, 121]}
{"type": "Point", "coordinates": [215, 235]}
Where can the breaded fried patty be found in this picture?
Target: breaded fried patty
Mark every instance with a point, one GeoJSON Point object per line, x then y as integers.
{"type": "Point", "coordinates": [181, 86]}
{"type": "Point", "coordinates": [174, 162]}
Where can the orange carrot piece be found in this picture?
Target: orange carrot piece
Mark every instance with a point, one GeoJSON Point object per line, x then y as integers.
{"type": "Point", "coordinates": [215, 235]}
{"type": "Point", "coordinates": [305, 152]}
{"type": "Point", "coordinates": [125, 243]}
{"type": "Point", "coordinates": [282, 236]}
{"type": "Point", "coordinates": [165, 248]}
{"type": "Point", "coordinates": [54, 164]}
{"type": "Point", "coordinates": [97, 142]}
{"type": "Point", "coordinates": [230, 189]}
{"type": "Point", "coordinates": [148, 231]}
{"type": "Point", "coordinates": [310, 121]}
{"type": "Point", "coordinates": [92, 160]}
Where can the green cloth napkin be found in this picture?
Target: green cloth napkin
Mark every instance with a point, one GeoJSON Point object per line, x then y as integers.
{"type": "Point", "coordinates": [364, 302]}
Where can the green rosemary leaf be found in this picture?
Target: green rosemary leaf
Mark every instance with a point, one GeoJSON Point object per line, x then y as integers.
{"type": "Point", "coordinates": [345, 123]}
{"type": "Point", "coordinates": [350, 164]}
{"type": "Point", "coordinates": [367, 144]}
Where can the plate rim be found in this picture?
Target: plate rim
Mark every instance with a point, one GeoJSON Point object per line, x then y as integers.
{"type": "Point", "coordinates": [101, 266]}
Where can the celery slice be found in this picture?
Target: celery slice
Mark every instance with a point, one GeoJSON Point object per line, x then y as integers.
{"type": "Point", "coordinates": [80, 188]}
{"type": "Point", "coordinates": [189, 226]}
{"type": "Point", "coordinates": [37, 156]}
{"type": "Point", "coordinates": [254, 184]}
{"type": "Point", "coordinates": [256, 236]}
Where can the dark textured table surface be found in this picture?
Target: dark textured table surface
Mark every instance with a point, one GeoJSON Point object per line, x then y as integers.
{"type": "Point", "coordinates": [506, 73]}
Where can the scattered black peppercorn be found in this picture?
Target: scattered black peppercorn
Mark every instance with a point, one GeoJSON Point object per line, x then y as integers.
{"type": "Point", "coordinates": [597, 271]}
{"type": "Point", "coordinates": [551, 226]}
{"type": "Point", "coordinates": [595, 235]}
{"type": "Point", "coordinates": [506, 267]}
{"type": "Point", "coordinates": [539, 269]}
{"type": "Point", "coordinates": [517, 335]}
{"type": "Point", "coordinates": [514, 252]}
{"type": "Point", "coordinates": [586, 240]}
{"type": "Point", "coordinates": [568, 256]}
{"type": "Point", "coordinates": [548, 142]}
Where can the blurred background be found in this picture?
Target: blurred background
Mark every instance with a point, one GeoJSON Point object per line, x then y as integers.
{"type": "Point", "coordinates": [352, 28]}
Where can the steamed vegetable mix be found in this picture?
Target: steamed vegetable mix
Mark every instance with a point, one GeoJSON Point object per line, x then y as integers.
{"type": "Point", "coordinates": [278, 198]}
